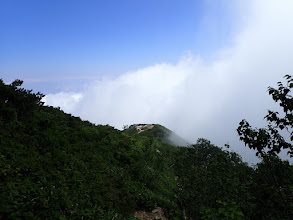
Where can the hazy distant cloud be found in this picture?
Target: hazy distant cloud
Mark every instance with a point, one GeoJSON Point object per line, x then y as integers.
{"type": "Point", "coordinates": [195, 98]}
{"type": "Point", "coordinates": [66, 100]}
{"type": "Point", "coordinates": [183, 94]}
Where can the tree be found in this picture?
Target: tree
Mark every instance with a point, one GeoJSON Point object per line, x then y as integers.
{"type": "Point", "coordinates": [269, 140]}
{"type": "Point", "coordinates": [18, 103]}
{"type": "Point", "coordinates": [211, 181]}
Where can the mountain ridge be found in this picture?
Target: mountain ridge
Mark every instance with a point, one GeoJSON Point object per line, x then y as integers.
{"type": "Point", "coordinates": [56, 166]}
{"type": "Point", "coordinates": [164, 134]}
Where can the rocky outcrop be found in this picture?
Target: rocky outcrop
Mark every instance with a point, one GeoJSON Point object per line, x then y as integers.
{"type": "Point", "coordinates": [141, 128]}
{"type": "Point", "coordinates": [157, 213]}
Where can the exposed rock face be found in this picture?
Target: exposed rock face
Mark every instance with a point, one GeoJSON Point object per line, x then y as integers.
{"type": "Point", "coordinates": [157, 213]}
{"type": "Point", "coordinates": [141, 128]}
{"type": "Point", "coordinates": [158, 131]}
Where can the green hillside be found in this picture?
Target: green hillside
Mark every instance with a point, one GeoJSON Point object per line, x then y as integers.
{"type": "Point", "coordinates": [56, 166]}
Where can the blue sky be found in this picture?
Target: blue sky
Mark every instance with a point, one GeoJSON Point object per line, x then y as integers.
{"type": "Point", "coordinates": [54, 45]}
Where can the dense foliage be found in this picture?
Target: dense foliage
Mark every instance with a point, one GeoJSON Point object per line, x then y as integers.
{"type": "Point", "coordinates": [56, 166]}
{"type": "Point", "coordinates": [275, 175]}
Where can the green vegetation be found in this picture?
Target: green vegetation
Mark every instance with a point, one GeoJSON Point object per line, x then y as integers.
{"type": "Point", "coordinates": [56, 166]}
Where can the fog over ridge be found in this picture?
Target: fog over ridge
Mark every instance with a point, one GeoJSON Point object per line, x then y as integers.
{"type": "Point", "coordinates": [198, 98]}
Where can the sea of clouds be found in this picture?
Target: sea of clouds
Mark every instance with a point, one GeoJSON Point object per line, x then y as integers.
{"type": "Point", "coordinates": [198, 98]}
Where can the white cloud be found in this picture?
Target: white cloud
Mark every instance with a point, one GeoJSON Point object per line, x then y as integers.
{"type": "Point", "coordinates": [67, 100]}
{"type": "Point", "coordinates": [195, 98]}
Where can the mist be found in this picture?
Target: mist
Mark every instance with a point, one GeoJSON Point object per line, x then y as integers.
{"type": "Point", "coordinates": [199, 98]}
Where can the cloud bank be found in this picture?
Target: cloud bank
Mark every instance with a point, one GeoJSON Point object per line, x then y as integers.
{"type": "Point", "coordinates": [198, 98]}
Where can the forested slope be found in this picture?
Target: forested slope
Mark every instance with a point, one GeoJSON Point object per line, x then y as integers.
{"type": "Point", "coordinates": [56, 166]}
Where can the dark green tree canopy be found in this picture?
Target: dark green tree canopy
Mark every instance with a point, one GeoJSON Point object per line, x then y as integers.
{"type": "Point", "coordinates": [56, 166]}
{"type": "Point", "coordinates": [16, 102]}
